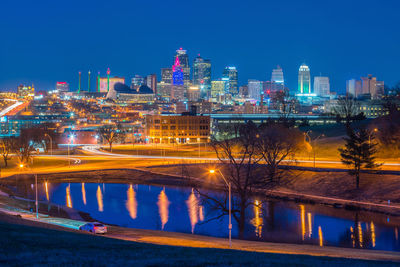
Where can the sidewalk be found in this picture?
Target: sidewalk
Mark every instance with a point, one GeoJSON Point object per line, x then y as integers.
{"type": "Point", "coordinates": [198, 241]}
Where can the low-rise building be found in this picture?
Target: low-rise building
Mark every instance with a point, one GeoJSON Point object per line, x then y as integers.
{"type": "Point", "coordinates": [185, 128]}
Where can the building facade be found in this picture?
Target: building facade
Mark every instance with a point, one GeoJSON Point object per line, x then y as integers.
{"type": "Point", "coordinates": [202, 75]}
{"type": "Point", "coordinates": [277, 80]}
{"type": "Point", "coordinates": [170, 129]}
{"type": "Point", "coordinates": [107, 83]}
{"type": "Point", "coordinates": [366, 86]}
{"type": "Point", "coordinates": [304, 81]}
{"type": "Point", "coordinates": [255, 89]}
{"type": "Point", "coordinates": [321, 86]}
{"type": "Point", "coordinates": [183, 57]}
{"type": "Point", "coordinates": [151, 82]}
{"type": "Point", "coordinates": [231, 74]}
{"type": "Point", "coordinates": [62, 87]}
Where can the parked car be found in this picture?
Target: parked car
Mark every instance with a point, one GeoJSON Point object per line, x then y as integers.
{"type": "Point", "coordinates": [94, 227]}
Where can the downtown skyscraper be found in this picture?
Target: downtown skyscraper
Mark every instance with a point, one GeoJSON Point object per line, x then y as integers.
{"type": "Point", "coordinates": [304, 82]}
{"type": "Point", "coordinates": [277, 80]}
{"type": "Point", "coordinates": [202, 75]}
{"type": "Point", "coordinates": [231, 74]}
{"type": "Point", "coordinates": [183, 57]}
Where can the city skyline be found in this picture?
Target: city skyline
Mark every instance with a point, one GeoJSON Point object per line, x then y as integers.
{"type": "Point", "coordinates": [42, 54]}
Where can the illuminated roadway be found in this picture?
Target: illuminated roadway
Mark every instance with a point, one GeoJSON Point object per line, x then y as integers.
{"type": "Point", "coordinates": [10, 108]}
{"type": "Point", "coordinates": [93, 149]}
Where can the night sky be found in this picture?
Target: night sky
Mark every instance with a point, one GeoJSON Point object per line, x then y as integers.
{"type": "Point", "coordinates": [45, 41]}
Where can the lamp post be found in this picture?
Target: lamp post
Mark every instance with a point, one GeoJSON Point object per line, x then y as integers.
{"type": "Point", "coordinates": [36, 191]}
{"type": "Point", "coordinates": [51, 143]}
{"type": "Point", "coordinates": [230, 217]}
{"type": "Point", "coordinates": [369, 137]}
{"type": "Point", "coordinates": [311, 141]}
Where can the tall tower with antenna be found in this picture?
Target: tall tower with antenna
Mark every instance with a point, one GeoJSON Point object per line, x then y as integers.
{"type": "Point", "coordinates": [79, 86]}
{"type": "Point", "coordinates": [108, 79]}
{"type": "Point", "coordinates": [98, 81]}
{"type": "Point", "coordinates": [89, 81]}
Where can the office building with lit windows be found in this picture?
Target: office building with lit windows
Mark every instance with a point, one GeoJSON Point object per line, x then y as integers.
{"type": "Point", "coordinates": [231, 74]}
{"type": "Point", "coordinates": [169, 129]}
{"type": "Point", "coordinates": [183, 57]}
{"type": "Point", "coordinates": [202, 75]}
{"type": "Point", "coordinates": [321, 86]}
{"type": "Point", "coordinates": [304, 81]}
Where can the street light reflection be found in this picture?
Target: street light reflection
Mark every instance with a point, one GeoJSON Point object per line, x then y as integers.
{"type": "Point", "coordinates": [360, 235]}
{"type": "Point", "coordinates": [373, 234]}
{"type": "Point", "coordinates": [193, 210]}
{"type": "Point", "coordinates": [83, 193]}
{"type": "Point", "coordinates": [309, 224]}
{"type": "Point", "coordinates": [99, 196]}
{"type": "Point", "coordinates": [131, 203]}
{"type": "Point", "coordinates": [163, 204]}
{"type": "Point", "coordinates": [68, 196]}
{"type": "Point", "coordinates": [303, 221]}
{"type": "Point", "coordinates": [46, 187]}
{"type": "Point", "coordinates": [257, 221]}
{"type": "Point", "coordinates": [321, 238]}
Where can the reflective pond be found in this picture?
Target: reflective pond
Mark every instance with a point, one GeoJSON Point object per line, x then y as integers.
{"type": "Point", "coordinates": [179, 209]}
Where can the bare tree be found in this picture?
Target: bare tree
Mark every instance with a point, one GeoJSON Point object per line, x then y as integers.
{"type": "Point", "coordinates": [347, 109]}
{"type": "Point", "coordinates": [286, 106]}
{"type": "Point", "coordinates": [277, 143]}
{"type": "Point", "coordinates": [6, 147]}
{"type": "Point", "coordinates": [239, 163]}
{"type": "Point", "coordinates": [111, 134]}
{"type": "Point", "coordinates": [24, 144]}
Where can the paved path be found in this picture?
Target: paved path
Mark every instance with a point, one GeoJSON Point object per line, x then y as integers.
{"type": "Point", "coordinates": [197, 241]}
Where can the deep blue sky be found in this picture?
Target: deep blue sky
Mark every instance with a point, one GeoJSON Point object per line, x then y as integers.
{"type": "Point", "coordinates": [45, 41]}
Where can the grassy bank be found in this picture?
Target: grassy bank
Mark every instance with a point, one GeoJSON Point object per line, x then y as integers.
{"type": "Point", "coordinates": [21, 244]}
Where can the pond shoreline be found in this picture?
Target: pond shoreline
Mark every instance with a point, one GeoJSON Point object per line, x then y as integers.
{"type": "Point", "coordinates": [150, 177]}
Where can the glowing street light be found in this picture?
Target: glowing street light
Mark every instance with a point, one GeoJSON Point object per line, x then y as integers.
{"type": "Point", "coordinates": [212, 171]}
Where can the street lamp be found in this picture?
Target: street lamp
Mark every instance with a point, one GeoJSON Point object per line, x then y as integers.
{"type": "Point", "coordinates": [51, 143]}
{"type": "Point", "coordinates": [36, 191]}
{"type": "Point", "coordinates": [369, 137]}
{"type": "Point", "coordinates": [311, 141]}
{"type": "Point", "coordinates": [212, 171]}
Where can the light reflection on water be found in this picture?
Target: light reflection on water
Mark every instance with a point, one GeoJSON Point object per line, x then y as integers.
{"type": "Point", "coordinates": [131, 203]}
{"type": "Point", "coordinates": [163, 205]}
{"type": "Point", "coordinates": [181, 210]}
{"type": "Point", "coordinates": [99, 196]}
{"type": "Point", "coordinates": [83, 193]}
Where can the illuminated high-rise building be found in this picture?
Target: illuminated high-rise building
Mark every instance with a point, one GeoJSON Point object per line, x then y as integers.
{"type": "Point", "coordinates": [202, 75]}
{"type": "Point", "coordinates": [277, 80]}
{"type": "Point", "coordinates": [136, 82]}
{"type": "Point", "coordinates": [177, 73]}
{"type": "Point", "coordinates": [166, 75]}
{"type": "Point", "coordinates": [321, 86]}
{"type": "Point", "coordinates": [255, 89]}
{"type": "Point", "coordinates": [367, 86]}
{"type": "Point", "coordinates": [184, 64]}
{"type": "Point", "coordinates": [62, 86]}
{"type": "Point", "coordinates": [219, 87]}
{"type": "Point", "coordinates": [304, 80]}
{"type": "Point", "coordinates": [231, 74]}
{"type": "Point", "coordinates": [151, 82]}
